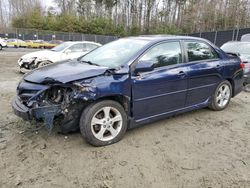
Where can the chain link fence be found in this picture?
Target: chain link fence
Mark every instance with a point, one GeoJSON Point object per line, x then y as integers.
{"type": "Point", "coordinates": [221, 37]}
{"type": "Point", "coordinates": [217, 37]}
{"type": "Point", "coordinates": [31, 34]}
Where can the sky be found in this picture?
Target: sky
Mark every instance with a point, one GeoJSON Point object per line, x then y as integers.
{"type": "Point", "coordinates": [48, 3]}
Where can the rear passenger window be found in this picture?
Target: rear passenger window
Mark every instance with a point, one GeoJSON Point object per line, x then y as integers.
{"type": "Point", "coordinates": [77, 47]}
{"type": "Point", "coordinates": [164, 54]}
{"type": "Point", "coordinates": [198, 51]}
{"type": "Point", "coordinates": [90, 47]}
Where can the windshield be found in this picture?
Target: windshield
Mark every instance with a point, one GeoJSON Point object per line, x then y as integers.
{"type": "Point", "coordinates": [241, 48]}
{"type": "Point", "coordinates": [116, 53]}
{"type": "Point", "coordinates": [61, 47]}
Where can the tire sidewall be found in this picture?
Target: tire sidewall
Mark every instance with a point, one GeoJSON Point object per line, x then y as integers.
{"type": "Point", "coordinates": [215, 105]}
{"type": "Point", "coordinates": [87, 115]}
{"type": "Point", "coordinates": [42, 62]}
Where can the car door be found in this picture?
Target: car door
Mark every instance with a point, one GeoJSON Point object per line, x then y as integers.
{"type": "Point", "coordinates": [204, 71]}
{"type": "Point", "coordinates": [162, 90]}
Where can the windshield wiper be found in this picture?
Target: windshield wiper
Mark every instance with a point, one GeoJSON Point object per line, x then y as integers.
{"type": "Point", "coordinates": [89, 62]}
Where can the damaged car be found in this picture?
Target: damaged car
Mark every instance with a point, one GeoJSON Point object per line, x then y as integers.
{"type": "Point", "coordinates": [127, 83]}
{"type": "Point", "coordinates": [64, 51]}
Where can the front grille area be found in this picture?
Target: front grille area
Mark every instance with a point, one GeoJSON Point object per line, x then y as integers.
{"type": "Point", "coordinates": [27, 90]}
{"type": "Point", "coordinates": [25, 95]}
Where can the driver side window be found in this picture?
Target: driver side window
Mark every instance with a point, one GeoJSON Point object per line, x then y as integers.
{"type": "Point", "coordinates": [164, 54]}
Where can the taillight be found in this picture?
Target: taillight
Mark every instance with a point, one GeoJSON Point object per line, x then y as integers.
{"type": "Point", "coordinates": [242, 65]}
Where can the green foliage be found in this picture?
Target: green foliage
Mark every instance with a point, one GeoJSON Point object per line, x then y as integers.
{"type": "Point", "coordinates": [32, 19]}
{"type": "Point", "coordinates": [165, 29]}
{"type": "Point", "coordinates": [132, 17]}
{"type": "Point", "coordinates": [70, 23]}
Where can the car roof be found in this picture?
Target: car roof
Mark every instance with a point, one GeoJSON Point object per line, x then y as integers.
{"type": "Point", "coordinates": [155, 38]}
{"type": "Point", "coordinates": [88, 42]}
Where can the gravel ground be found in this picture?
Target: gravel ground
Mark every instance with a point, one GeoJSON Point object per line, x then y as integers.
{"type": "Point", "coordinates": [196, 149]}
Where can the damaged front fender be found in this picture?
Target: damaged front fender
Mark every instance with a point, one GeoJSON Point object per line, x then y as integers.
{"type": "Point", "coordinates": [66, 101]}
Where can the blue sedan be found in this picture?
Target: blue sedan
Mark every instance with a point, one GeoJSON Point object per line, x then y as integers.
{"type": "Point", "coordinates": [127, 83]}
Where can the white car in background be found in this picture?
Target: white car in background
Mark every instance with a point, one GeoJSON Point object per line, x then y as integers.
{"type": "Point", "coordinates": [3, 44]}
{"type": "Point", "coordinates": [64, 51]}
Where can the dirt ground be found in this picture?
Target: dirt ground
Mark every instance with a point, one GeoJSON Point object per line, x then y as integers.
{"type": "Point", "coordinates": [197, 149]}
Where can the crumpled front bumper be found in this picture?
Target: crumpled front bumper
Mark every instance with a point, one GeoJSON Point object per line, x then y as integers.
{"type": "Point", "coordinates": [20, 109]}
{"type": "Point", "coordinates": [47, 113]}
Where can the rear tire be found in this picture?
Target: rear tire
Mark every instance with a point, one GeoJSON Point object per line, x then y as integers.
{"type": "Point", "coordinates": [1, 47]}
{"type": "Point", "coordinates": [103, 123]}
{"type": "Point", "coordinates": [222, 96]}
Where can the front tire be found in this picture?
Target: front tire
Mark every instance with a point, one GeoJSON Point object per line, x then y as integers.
{"type": "Point", "coordinates": [222, 96]}
{"type": "Point", "coordinates": [1, 47]}
{"type": "Point", "coordinates": [43, 63]}
{"type": "Point", "coordinates": [103, 123]}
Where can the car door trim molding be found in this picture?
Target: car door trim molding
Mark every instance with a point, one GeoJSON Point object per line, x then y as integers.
{"type": "Point", "coordinates": [161, 95]}
{"type": "Point", "coordinates": [169, 112]}
{"type": "Point", "coordinates": [165, 94]}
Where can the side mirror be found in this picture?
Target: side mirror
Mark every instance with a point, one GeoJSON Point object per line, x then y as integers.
{"type": "Point", "coordinates": [144, 66]}
{"type": "Point", "coordinates": [67, 51]}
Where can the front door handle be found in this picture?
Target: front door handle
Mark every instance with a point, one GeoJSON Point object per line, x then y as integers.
{"type": "Point", "coordinates": [182, 74]}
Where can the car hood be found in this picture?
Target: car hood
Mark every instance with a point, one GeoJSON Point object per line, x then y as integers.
{"type": "Point", "coordinates": [64, 72]}
{"type": "Point", "coordinates": [40, 54]}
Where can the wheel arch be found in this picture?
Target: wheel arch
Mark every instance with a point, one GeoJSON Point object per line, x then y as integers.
{"type": "Point", "coordinates": [39, 62]}
{"type": "Point", "coordinates": [231, 81]}
{"type": "Point", "coordinates": [121, 99]}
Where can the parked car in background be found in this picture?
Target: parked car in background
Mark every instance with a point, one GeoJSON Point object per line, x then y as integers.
{"type": "Point", "coordinates": [247, 78]}
{"type": "Point", "coordinates": [3, 44]}
{"type": "Point", "coordinates": [127, 83]}
{"type": "Point", "coordinates": [242, 49]}
{"type": "Point", "coordinates": [17, 43]}
{"type": "Point", "coordinates": [35, 43]}
{"type": "Point", "coordinates": [245, 38]}
{"type": "Point", "coordinates": [52, 44]}
{"type": "Point", "coordinates": [64, 51]}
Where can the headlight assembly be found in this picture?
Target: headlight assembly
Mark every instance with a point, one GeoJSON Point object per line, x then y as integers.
{"type": "Point", "coordinates": [30, 59]}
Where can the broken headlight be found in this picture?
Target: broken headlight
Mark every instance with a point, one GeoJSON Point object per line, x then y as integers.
{"type": "Point", "coordinates": [58, 94]}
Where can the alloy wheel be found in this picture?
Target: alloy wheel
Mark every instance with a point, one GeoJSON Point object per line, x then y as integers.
{"type": "Point", "coordinates": [106, 124]}
{"type": "Point", "coordinates": [43, 63]}
{"type": "Point", "coordinates": [223, 95]}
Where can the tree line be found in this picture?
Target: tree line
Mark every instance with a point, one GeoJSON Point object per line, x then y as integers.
{"type": "Point", "coordinates": [129, 17]}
